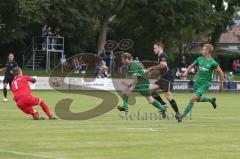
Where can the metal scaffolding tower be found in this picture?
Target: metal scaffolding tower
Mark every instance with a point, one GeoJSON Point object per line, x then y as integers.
{"type": "Point", "coordinates": [45, 47]}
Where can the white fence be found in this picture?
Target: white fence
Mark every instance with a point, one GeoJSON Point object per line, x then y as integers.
{"type": "Point", "coordinates": [70, 83]}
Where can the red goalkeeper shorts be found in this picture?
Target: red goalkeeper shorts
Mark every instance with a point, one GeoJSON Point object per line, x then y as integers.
{"type": "Point", "coordinates": [26, 104]}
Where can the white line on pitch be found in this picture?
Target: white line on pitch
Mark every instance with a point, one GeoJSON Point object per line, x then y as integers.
{"type": "Point", "coordinates": [30, 154]}
{"type": "Point", "coordinates": [139, 129]}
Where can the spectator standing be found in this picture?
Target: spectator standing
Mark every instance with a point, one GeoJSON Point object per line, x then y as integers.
{"type": "Point", "coordinates": [178, 74]}
{"type": "Point", "coordinates": [230, 79]}
{"type": "Point", "coordinates": [97, 68]}
{"type": "Point", "coordinates": [44, 35]}
{"type": "Point", "coordinates": [63, 62]}
{"type": "Point", "coordinates": [111, 62]}
{"type": "Point", "coordinates": [76, 64]}
{"type": "Point", "coordinates": [57, 32]}
{"type": "Point", "coordinates": [55, 35]}
{"type": "Point", "coordinates": [82, 65]}
{"type": "Point", "coordinates": [44, 30]}
{"type": "Point", "coordinates": [238, 63]}
{"type": "Point", "coordinates": [238, 66]}
{"type": "Point", "coordinates": [49, 31]}
{"type": "Point", "coordinates": [50, 42]}
{"type": "Point", "coordinates": [234, 66]}
{"type": "Point", "coordinates": [183, 64]}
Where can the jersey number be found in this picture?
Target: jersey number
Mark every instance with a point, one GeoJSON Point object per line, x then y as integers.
{"type": "Point", "coordinates": [15, 84]}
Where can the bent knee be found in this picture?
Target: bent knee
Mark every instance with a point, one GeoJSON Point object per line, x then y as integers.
{"type": "Point", "coordinates": [194, 99]}
{"type": "Point", "coordinates": [150, 100]}
{"type": "Point", "coordinates": [168, 95]}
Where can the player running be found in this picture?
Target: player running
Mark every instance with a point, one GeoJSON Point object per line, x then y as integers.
{"type": "Point", "coordinates": [140, 83]}
{"type": "Point", "coordinates": [165, 81]}
{"type": "Point", "coordinates": [23, 98]}
{"type": "Point", "coordinates": [8, 77]}
{"type": "Point", "coordinates": [207, 65]}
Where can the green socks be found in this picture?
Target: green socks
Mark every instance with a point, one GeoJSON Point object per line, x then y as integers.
{"type": "Point", "coordinates": [205, 99]}
{"type": "Point", "coordinates": [155, 103]}
{"type": "Point", "coordinates": [187, 109]}
{"type": "Point", "coordinates": [125, 101]}
{"type": "Point", "coordinates": [158, 105]}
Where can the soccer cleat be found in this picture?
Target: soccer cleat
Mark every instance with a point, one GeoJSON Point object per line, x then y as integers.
{"type": "Point", "coordinates": [122, 109]}
{"type": "Point", "coordinates": [181, 117]}
{"type": "Point", "coordinates": [5, 100]}
{"type": "Point", "coordinates": [52, 117]}
{"type": "Point", "coordinates": [213, 102]}
{"type": "Point", "coordinates": [164, 114]}
{"type": "Point", "coordinates": [178, 117]}
{"type": "Point", "coordinates": [38, 118]}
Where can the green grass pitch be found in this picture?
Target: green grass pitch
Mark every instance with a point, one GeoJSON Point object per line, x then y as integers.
{"type": "Point", "coordinates": [211, 134]}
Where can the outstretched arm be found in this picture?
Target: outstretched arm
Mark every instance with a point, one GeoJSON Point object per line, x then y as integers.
{"type": "Point", "coordinates": [31, 79]}
{"type": "Point", "coordinates": [3, 69]}
{"type": "Point", "coordinates": [133, 84]}
{"type": "Point", "coordinates": [157, 67]}
{"type": "Point", "coordinates": [219, 71]}
{"type": "Point", "coordinates": [188, 70]}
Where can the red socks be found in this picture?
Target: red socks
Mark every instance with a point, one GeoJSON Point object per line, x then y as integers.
{"type": "Point", "coordinates": [45, 108]}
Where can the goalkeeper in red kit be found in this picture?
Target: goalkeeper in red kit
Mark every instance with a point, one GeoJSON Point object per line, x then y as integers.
{"type": "Point", "coordinates": [23, 98]}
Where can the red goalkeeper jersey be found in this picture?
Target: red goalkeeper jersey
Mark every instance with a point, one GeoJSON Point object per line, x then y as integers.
{"type": "Point", "coordinates": [21, 87]}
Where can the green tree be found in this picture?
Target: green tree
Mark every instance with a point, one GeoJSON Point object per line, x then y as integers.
{"type": "Point", "coordinates": [176, 23]}
{"type": "Point", "coordinates": [85, 24]}
{"type": "Point", "coordinates": [224, 11]}
{"type": "Point", "coordinates": [108, 10]}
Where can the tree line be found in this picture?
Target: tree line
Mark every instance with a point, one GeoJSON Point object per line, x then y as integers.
{"type": "Point", "coordinates": [87, 24]}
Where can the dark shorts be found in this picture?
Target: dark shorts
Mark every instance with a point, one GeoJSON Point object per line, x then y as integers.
{"type": "Point", "coordinates": [8, 80]}
{"type": "Point", "coordinates": [168, 76]}
{"type": "Point", "coordinates": [165, 85]}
